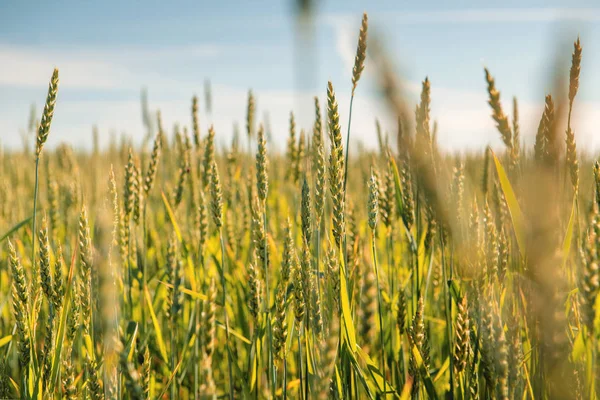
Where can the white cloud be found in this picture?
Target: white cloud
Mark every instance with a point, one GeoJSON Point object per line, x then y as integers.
{"type": "Point", "coordinates": [96, 68]}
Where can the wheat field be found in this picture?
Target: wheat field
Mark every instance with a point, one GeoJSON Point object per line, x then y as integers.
{"type": "Point", "coordinates": [177, 269]}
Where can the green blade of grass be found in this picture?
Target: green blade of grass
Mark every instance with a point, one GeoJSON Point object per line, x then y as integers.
{"type": "Point", "coordinates": [187, 291]}
{"type": "Point", "coordinates": [397, 185]}
{"type": "Point", "coordinates": [429, 387]}
{"type": "Point", "coordinates": [190, 265]}
{"type": "Point", "coordinates": [15, 228]}
{"type": "Point", "coordinates": [62, 324]}
{"type": "Point", "coordinates": [168, 384]}
{"type": "Point", "coordinates": [132, 330]}
{"type": "Point", "coordinates": [359, 373]}
{"type": "Point", "coordinates": [234, 333]}
{"type": "Point", "coordinates": [566, 247]}
{"type": "Point", "coordinates": [5, 340]}
{"type": "Point", "coordinates": [516, 215]}
{"type": "Point", "coordinates": [374, 371]}
{"type": "Point", "coordinates": [157, 330]}
{"type": "Point", "coordinates": [348, 325]}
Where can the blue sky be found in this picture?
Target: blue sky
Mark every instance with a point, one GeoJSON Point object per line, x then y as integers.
{"type": "Point", "coordinates": [107, 51]}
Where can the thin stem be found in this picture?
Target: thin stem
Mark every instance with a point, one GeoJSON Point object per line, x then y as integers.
{"type": "Point", "coordinates": [390, 256]}
{"type": "Point", "coordinates": [306, 381]}
{"type": "Point", "coordinates": [348, 142]}
{"type": "Point", "coordinates": [301, 388]}
{"type": "Point", "coordinates": [196, 349]}
{"type": "Point", "coordinates": [198, 328]}
{"type": "Point", "coordinates": [25, 386]}
{"type": "Point", "coordinates": [35, 195]}
{"type": "Point", "coordinates": [267, 300]}
{"type": "Point", "coordinates": [284, 374]}
{"type": "Point", "coordinates": [379, 309]}
{"type": "Point", "coordinates": [257, 360]}
{"type": "Point", "coordinates": [129, 274]}
{"type": "Point", "coordinates": [317, 257]}
{"type": "Point", "coordinates": [173, 392]}
{"type": "Point", "coordinates": [252, 358]}
{"type": "Point", "coordinates": [448, 307]}
{"type": "Point", "coordinates": [229, 370]}
{"type": "Point", "coordinates": [144, 270]}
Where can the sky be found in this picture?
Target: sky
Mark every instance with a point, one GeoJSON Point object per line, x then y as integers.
{"type": "Point", "coordinates": [108, 51]}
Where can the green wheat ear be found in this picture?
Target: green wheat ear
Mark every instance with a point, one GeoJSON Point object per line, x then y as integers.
{"type": "Point", "coordinates": [254, 286]}
{"type": "Point", "coordinates": [250, 115]}
{"type": "Point", "coordinates": [373, 202]}
{"type": "Point", "coordinates": [336, 168]}
{"type": "Point", "coordinates": [20, 301]}
{"type": "Point", "coordinates": [196, 122]}
{"type": "Point", "coordinates": [153, 164]}
{"type": "Point", "coordinates": [318, 164]}
{"type": "Point", "coordinates": [280, 330]}
{"type": "Point", "coordinates": [262, 164]}
{"type": "Point", "coordinates": [44, 127]}
{"type": "Point", "coordinates": [216, 196]}
{"type": "Point", "coordinates": [306, 212]}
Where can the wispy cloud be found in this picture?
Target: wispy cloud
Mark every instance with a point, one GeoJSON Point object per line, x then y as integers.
{"type": "Point", "coordinates": [487, 15]}
{"type": "Point", "coordinates": [463, 116]}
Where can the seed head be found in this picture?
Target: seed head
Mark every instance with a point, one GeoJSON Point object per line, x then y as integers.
{"type": "Point", "coordinates": [175, 275]}
{"type": "Point", "coordinates": [306, 212]}
{"type": "Point", "coordinates": [262, 164]}
{"type": "Point", "coordinates": [407, 196]}
{"type": "Point", "coordinates": [299, 300]}
{"type": "Point", "coordinates": [152, 165]}
{"type": "Point", "coordinates": [44, 127]}
{"type": "Point", "coordinates": [575, 70]}
{"type": "Point", "coordinates": [373, 202]}
{"type": "Point", "coordinates": [318, 164]}
{"type": "Point", "coordinates": [209, 156]}
{"type": "Point", "coordinates": [402, 312]}
{"type": "Point", "coordinates": [250, 115]}
{"type": "Point", "coordinates": [58, 279]}
{"type": "Point", "coordinates": [292, 151]}
{"type": "Point", "coordinates": [462, 336]}
{"type": "Point", "coordinates": [254, 293]}
{"type": "Point", "coordinates": [571, 159]}
{"type": "Point", "coordinates": [208, 321]}
{"type": "Point", "coordinates": [216, 196]}
{"type": "Point", "coordinates": [45, 273]}
{"type": "Point", "coordinates": [516, 139]}
{"type": "Point", "coordinates": [280, 325]}
{"type": "Point", "coordinates": [361, 52]}
{"type": "Point", "coordinates": [196, 122]}
{"type": "Point", "coordinates": [336, 168]}
{"type": "Point", "coordinates": [498, 114]}
{"type": "Point", "coordinates": [290, 257]}
{"type": "Point", "coordinates": [20, 301]}
{"type": "Point", "coordinates": [129, 191]}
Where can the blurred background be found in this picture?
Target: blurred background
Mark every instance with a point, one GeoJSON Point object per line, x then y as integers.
{"type": "Point", "coordinates": [110, 53]}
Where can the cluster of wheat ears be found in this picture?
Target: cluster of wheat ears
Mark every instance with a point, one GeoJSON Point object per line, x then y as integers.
{"type": "Point", "coordinates": [179, 270]}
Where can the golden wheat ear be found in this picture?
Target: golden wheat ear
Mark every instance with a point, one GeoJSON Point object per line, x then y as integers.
{"type": "Point", "coordinates": [361, 52]}
{"type": "Point", "coordinates": [497, 112]}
